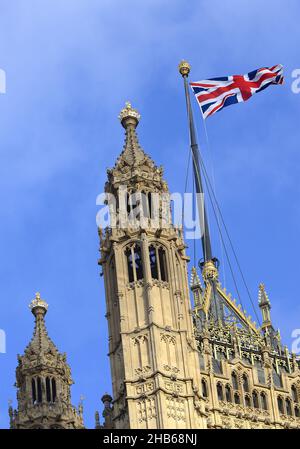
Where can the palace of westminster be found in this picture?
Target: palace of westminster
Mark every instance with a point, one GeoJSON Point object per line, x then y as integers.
{"type": "Point", "coordinates": [175, 363]}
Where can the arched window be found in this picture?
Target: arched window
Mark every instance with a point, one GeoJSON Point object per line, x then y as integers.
{"type": "Point", "coordinates": [158, 266]}
{"type": "Point", "coordinates": [138, 262]}
{"type": "Point", "coordinates": [150, 204]}
{"type": "Point", "coordinates": [247, 401]}
{"type": "Point", "coordinates": [144, 203]}
{"type": "Point", "coordinates": [277, 379]}
{"type": "Point", "coordinates": [129, 257]}
{"type": "Point", "coordinates": [204, 388]}
{"type": "Point", "coordinates": [234, 381]}
{"type": "Point", "coordinates": [263, 400]}
{"type": "Point", "coordinates": [294, 393]}
{"type": "Point", "coordinates": [255, 399]}
{"type": "Point", "coordinates": [260, 372]}
{"type": "Point", "coordinates": [134, 262]}
{"type": "Point", "coordinates": [220, 392]}
{"type": "Point", "coordinates": [153, 262]}
{"type": "Point", "coordinates": [53, 390]}
{"type": "Point", "coordinates": [162, 264]}
{"type": "Point", "coordinates": [288, 407]}
{"type": "Point", "coordinates": [280, 405]}
{"type": "Point", "coordinates": [228, 393]}
{"type": "Point", "coordinates": [39, 390]}
{"type": "Point", "coordinates": [137, 206]}
{"type": "Point", "coordinates": [297, 412]}
{"type": "Point", "coordinates": [245, 383]}
{"type": "Point", "coordinates": [128, 202]}
{"type": "Point", "coordinates": [48, 390]}
{"type": "Point", "coordinates": [33, 387]}
{"type": "Point", "coordinates": [237, 399]}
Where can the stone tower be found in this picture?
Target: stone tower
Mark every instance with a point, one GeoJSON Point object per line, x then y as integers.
{"type": "Point", "coordinates": [153, 354]}
{"type": "Point", "coordinates": [43, 381]}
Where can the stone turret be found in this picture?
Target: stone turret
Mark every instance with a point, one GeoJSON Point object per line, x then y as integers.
{"type": "Point", "coordinates": [153, 354]}
{"type": "Point", "coordinates": [43, 380]}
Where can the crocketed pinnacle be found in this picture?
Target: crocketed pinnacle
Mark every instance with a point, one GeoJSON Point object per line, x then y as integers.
{"type": "Point", "coordinates": [40, 342]}
{"type": "Point", "coordinates": [195, 280]}
{"type": "Point", "coordinates": [263, 298]}
{"type": "Point", "coordinates": [132, 154]}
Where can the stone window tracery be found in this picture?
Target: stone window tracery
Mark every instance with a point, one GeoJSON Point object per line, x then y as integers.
{"type": "Point", "coordinates": [204, 388]}
{"type": "Point", "coordinates": [228, 393]}
{"type": "Point", "coordinates": [255, 399]}
{"type": "Point", "coordinates": [294, 393]}
{"type": "Point", "coordinates": [50, 389]}
{"type": "Point", "coordinates": [220, 391]}
{"type": "Point", "coordinates": [134, 262]}
{"type": "Point", "coordinates": [237, 399]}
{"type": "Point", "coordinates": [264, 401]}
{"type": "Point", "coordinates": [247, 400]}
{"type": "Point", "coordinates": [288, 406]}
{"type": "Point", "coordinates": [33, 387]}
{"type": "Point", "coordinates": [158, 265]}
{"type": "Point", "coordinates": [245, 383]}
{"type": "Point", "coordinates": [234, 381]}
{"type": "Point", "coordinates": [37, 393]}
{"type": "Point", "coordinates": [280, 405]}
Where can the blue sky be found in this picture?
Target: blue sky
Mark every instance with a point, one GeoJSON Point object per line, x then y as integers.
{"type": "Point", "coordinates": [70, 66]}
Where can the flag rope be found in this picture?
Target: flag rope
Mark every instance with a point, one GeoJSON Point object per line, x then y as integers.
{"type": "Point", "coordinates": [222, 239]}
{"type": "Point", "coordinates": [214, 190]}
{"type": "Point", "coordinates": [212, 197]}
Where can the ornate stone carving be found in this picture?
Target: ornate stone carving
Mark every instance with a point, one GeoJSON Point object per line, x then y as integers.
{"type": "Point", "coordinates": [175, 408]}
{"type": "Point", "coordinates": [146, 409]}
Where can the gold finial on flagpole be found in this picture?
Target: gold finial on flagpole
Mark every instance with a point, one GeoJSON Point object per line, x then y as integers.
{"type": "Point", "coordinates": [184, 68]}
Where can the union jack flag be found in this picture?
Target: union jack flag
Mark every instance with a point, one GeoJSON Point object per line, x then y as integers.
{"type": "Point", "coordinates": [215, 94]}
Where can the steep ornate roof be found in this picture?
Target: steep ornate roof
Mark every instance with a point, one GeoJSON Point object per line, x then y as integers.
{"type": "Point", "coordinates": [214, 295]}
{"type": "Point", "coordinates": [134, 167]}
{"type": "Point", "coordinates": [40, 344]}
{"type": "Point", "coordinates": [132, 154]}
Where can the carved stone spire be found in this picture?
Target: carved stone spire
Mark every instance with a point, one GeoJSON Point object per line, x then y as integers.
{"type": "Point", "coordinates": [134, 168]}
{"type": "Point", "coordinates": [265, 306]}
{"type": "Point", "coordinates": [196, 287]}
{"type": "Point", "coordinates": [43, 380]}
{"type": "Point", "coordinates": [263, 298]}
{"type": "Point", "coordinates": [132, 153]}
{"type": "Point", "coordinates": [40, 343]}
{"type": "Point", "coordinates": [195, 280]}
{"type": "Point", "coordinates": [270, 334]}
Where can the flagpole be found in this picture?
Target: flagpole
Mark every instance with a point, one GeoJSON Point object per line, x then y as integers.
{"type": "Point", "coordinates": [184, 70]}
